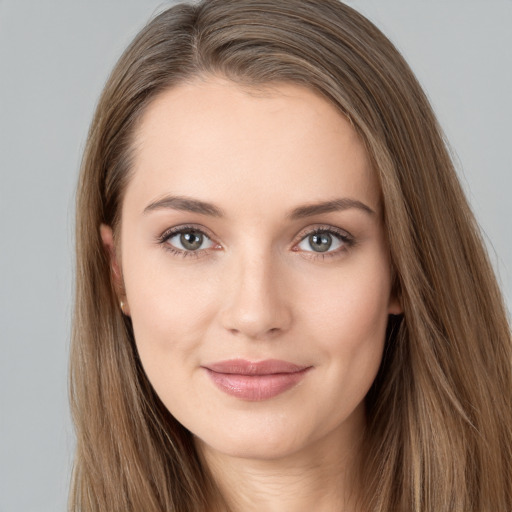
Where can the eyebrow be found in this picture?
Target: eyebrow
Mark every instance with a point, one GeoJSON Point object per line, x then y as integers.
{"type": "Point", "coordinates": [186, 204]}
{"type": "Point", "coordinates": [189, 204]}
{"type": "Point", "coordinates": [335, 205]}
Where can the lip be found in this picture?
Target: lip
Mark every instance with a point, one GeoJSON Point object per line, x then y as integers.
{"type": "Point", "coordinates": [255, 380]}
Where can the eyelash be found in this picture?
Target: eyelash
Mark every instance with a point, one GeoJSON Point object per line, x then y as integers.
{"type": "Point", "coordinates": [344, 237]}
{"type": "Point", "coordinates": [169, 233]}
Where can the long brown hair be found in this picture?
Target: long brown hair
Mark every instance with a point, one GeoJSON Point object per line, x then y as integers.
{"type": "Point", "coordinates": [439, 433]}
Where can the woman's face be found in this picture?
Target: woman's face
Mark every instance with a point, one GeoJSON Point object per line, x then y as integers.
{"type": "Point", "coordinates": [255, 266]}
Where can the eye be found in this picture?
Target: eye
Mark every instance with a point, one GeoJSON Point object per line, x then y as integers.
{"type": "Point", "coordinates": [187, 240]}
{"type": "Point", "coordinates": [325, 241]}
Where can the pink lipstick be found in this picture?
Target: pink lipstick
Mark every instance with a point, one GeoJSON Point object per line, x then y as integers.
{"type": "Point", "coordinates": [255, 381]}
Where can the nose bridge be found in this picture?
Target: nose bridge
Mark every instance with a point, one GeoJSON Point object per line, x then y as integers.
{"type": "Point", "coordinates": [257, 306]}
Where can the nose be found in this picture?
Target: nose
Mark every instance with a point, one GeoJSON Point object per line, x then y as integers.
{"type": "Point", "coordinates": [257, 305]}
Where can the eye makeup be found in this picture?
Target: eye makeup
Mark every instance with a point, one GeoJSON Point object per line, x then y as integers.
{"type": "Point", "coordinates": [186, 233]}
{"type": "Point", "coordinates": [322, 236]}
{"type": "Point", "coordinates": [328, 240]}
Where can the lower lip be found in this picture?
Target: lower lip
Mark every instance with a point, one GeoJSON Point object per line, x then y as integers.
{"type": "Point", "coordinates": [256, 388]}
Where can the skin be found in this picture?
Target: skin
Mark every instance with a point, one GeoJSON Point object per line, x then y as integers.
{"type": "Point", "coordinates": [257, 289]}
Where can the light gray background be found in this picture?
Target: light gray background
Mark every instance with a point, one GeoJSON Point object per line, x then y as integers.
{"type": "Point", "coordinates": [54, 58]}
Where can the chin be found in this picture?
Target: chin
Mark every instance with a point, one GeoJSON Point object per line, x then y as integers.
{"type": "Point", "coordinates": [261, 448]}
{"type": "Point", "coordinates": [267, 437]}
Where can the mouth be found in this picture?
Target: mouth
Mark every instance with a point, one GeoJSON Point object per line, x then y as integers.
{"type": "Point", "coordinates": [255, 381]}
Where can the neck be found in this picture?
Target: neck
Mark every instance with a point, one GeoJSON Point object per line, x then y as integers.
{"type": "Point", "coordinates": [323, 477]}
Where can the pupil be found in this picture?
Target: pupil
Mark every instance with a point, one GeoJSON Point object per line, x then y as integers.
{"type": "Point", "coordinates": [320, 242]}
{"type": "Point", "coordinates": [191, 240]}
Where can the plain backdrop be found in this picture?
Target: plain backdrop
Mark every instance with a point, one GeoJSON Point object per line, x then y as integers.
{"type": "Point", "coordinates": [54, 58]}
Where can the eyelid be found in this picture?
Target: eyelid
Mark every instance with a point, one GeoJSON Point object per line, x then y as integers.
{"type": "Point", "coordinates": [322, 228]}
{"type": "Point", "coordinates": [346, 237]}
{"type": "Point", "coordinates": [175, 230]}
{"type": "Point", "coordinates": [169, 233]}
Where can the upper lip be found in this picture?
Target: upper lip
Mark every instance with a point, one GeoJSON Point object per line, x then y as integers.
{"type": "Point", "coordinates": [244, 367]}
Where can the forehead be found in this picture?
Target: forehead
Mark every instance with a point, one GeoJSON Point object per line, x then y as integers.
{"type": "Point", "coordinates": [218, 141]}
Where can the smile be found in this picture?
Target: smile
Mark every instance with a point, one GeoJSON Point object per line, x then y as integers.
{"type": "Point", "coordinates": [255, 381]}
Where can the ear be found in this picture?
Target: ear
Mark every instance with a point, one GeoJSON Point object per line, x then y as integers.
{"type": "Point", "coordinates": [107, 237]}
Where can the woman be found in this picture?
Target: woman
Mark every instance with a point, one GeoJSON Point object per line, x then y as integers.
{"type": "Point", "coordinates": [283, 301]}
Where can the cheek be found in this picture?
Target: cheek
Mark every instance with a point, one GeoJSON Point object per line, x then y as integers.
{"type": "Point", "coordinates": [171, 313]}
{"type": "Point", "coordinates": [170, 307]}
{"type": "Point", "coordinates": [348, 316]}
{"type": "Point", "coordinates": [352, 305]}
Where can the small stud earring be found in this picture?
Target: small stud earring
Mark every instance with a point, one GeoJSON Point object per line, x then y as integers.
{"type": "Point", "coordinates": [121, 304]}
